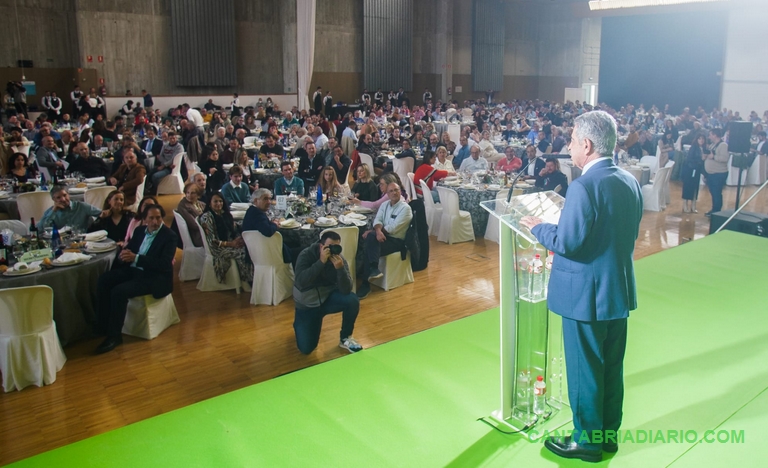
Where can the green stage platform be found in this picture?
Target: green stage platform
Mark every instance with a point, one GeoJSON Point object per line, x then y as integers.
{"type": "Point", "coordinates": [695, 361]}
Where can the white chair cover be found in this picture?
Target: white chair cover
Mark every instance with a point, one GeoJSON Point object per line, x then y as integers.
{"type": "Point", "coordinates": [272, 278]}
{"type": "Point", "coordinates": [139, 195]}
{"type": "Point", "coordinates": [410, 186]}
{"type": "Point", "coordinates": [30, 351]}
{"type": "Point", "coordinates": [193, 258]}
{"type": "Point", "coordinates": [96, 196]}
{"type": "Point", "coordinates": [665, 198]}
{"type": "Point", "coordinates": [349, 239]}
{"type": "Point", "coordinates": [566, 169]}
{"type": "Point", "coordinates": [454, 130]}
{"type": "Point", "coordinates": [397, 272]}
{"type": "Point", "coordinates": [455, 225]}
{"type": "Point", "coordinates": [173, 184]}
{"type": "Point", "coordinates": [208, 280]}
{"type": "Point", "coordinates": [564, 150]}
{"type": "Point", "coordinates": [14, 225]}
{"type": "Point", "coordinates": [653, 193]}
{"type": "Point", "coordinates": [368, 161]}
{"type": "Point", "coordinates": [22, 149]}
{"type": "Point", "coordinates": [33, 205]}
{"type": "Point", "coordinates": [433, 211]}
{"type": "Point", "coordinates": [345, 183]}
{"type": "Point", "coordinates": [147, 317]}
{"type": "Point", "coordinates": [249, 140]}
{"type": "Point", "coordinates": [492, 228]}
{"type": "Point", "coordinates": [402, 167]}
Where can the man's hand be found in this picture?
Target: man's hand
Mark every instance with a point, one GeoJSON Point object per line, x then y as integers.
{"type": "Point", "coordinates": [337, 261]}
{"type": "Point", "coordinates": [380, 235]}
{"type": "Point", "coordinates": [105, 214]}
{"type": "Point", "coordinates": [325, 254]}
{"type": "Point", "coordinates": [212, 170]}
{"type": "Point", "coordinates": [127, 256]}
{"type": "Point", "coordinates": [112, 181]}
{"type": "Point", "coordinates": [160, 167]}
{"type": "Point", "coordinates": [530, 221]}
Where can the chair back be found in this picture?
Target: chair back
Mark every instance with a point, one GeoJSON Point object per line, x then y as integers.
{"type": "Point", "coordinates": [24, 149]}
{"type": "Point", "coordinates": [449, 200]}
{"type": "Point", "coordinates": [564, 150]}
{"type": "Point", "coordinates": [662, 177]}
{"type": "Point", "coordinates": [345, 182]}
{"type": "Point", "coordinates": [33, 205]}
{"type": "Point", "coordinates": [184, 231]}
{"type": "Point", "coordinates": [139, 195]}
{"type": "Point", "coordinates": [96, 196]}
{"type": "Point", "coordinates": [14, 225]}
{"type": "Point", "coordinates": [205, 240]}
{"type": "Point", "coordinates": [349, 240]}
{"type": "Point", "coordinates": [454, 130]}
{"type": "Point", "coordinates": [348, 145]}
{"type": "Point", "coordinates": [429, 203]}
{"type": "Point", "coordinates": [264, 250]}
{"type": "Point", "coordinates": [249, 140]}
{"type": "Point", "coordinates": [177, 163]}
{"type": "Point", "coordinates": [368, 161]}
{"type": "Point", "coordinates": [402, 167]}
{"type": "Point", "coordinates": [27, 310]}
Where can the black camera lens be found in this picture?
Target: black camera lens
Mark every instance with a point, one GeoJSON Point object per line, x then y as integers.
{"type": "Point", "coordinates": [335, 249]}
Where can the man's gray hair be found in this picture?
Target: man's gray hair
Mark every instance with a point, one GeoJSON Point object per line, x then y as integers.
{"type": "Point", "coordinates": [599, 128]}
{"type": "Point", "coordinates": [58, 188]}
{"type": "Point", "coordinates": [258, 193]}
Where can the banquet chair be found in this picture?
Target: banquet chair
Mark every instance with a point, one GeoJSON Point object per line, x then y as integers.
{"type": "Point", "coordinates": [147, 317]}
{"type": "Point", "coordinates": [434, 211]}
{"type": "Point", "coordinates": [208, 280]}
{"type": "Point", "coordinates": [455, 225]}
{"type": "Point", "coordinates": [564, 150]}
{"type": "Point", "coordinates": [653, 192]}
{"type": "Point", "coordinates": [30, 351]}
{"type": "Point", "coordinates": [397, 271]}
{"type": "Point", "coordinates": [139, 195]}
{"type": "Point", "coordinates": [24, 149]}
{"type": "Point", "coordinates": [96, 196]}
{"type": "Point", "coordinates": [492, 228]}
{"type": "Point", "coordinates": [14, 225]}
{"type": "Point", "coordinates": [249, 140]}
{"type": "Point", "coordinates": [272, 278]}
{"type": "Point", "coordinates": [349, 240]}
{"type": "Point", "coordinates": [348, 145]}
{"type": "Point", "coordinates": [346, 178]}
{"type": "Point", "coordinates": [666, 199]}
{"type": "Point", "coordinates": [410, 187]}
{"type": "Point", "coordinates": [402, 167]}
{"type": "Point", "coordinates": [193, 258]}
{"type": "Point", "coordinates": [33, 205]}
{"type": "Point", "coordinates": [173, 184]}
{"type": "Point", "coordinates": [368, 161]}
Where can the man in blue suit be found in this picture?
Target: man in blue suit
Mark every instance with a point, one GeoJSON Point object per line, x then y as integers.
{"type": "Point", "coordinates": [592, 285]}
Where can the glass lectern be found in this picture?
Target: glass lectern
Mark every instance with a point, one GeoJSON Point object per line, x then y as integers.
{"type": "Point", "coordinates": [531, 336]}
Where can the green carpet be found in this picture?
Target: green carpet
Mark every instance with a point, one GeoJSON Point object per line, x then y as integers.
{"type": "Point", "coordinates": [695, 361]}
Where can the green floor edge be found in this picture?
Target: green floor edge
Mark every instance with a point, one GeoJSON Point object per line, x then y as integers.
{"type": "Point", "coordinates": [695, 361]}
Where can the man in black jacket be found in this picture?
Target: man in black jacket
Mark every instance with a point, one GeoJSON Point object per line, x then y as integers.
{"type": "Point", "coordinates": [152, 144]}
{"type": "Point", "coordinates": [310, 166]}
{"type": "Point", "coordinates": [323, 286]}
{"type": "Point", "coordinates": [145, 267]}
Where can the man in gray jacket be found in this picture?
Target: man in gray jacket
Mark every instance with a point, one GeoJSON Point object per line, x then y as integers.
{"type": "Point", "coordinates": [323, 286]}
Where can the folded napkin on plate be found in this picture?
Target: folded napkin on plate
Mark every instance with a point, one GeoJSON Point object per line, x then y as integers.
{"type": "Point", "coordinates": [323, 220]}
{"type": "Point", "coordinates": [356, 216]}
{"type": "Point", "coordinates": [95, 180]}
{"type": "Point", "coordinates": [78, 190]}
{"type": "Point", "coordinates": [239, 206]}
{"type": "Point", "coordinates": [92, 236]}
{"type": "Point", "coordinates": [98, 245]}
{"type": "Point", "coordinates": [349, 220]}
{"type": "Point", "coordinates": [67, 257]}
{"type": "Point", "coordinates": [289, 223]}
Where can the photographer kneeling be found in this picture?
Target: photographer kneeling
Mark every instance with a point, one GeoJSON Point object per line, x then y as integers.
{"type": "Point", "coordinates": [323, 286]}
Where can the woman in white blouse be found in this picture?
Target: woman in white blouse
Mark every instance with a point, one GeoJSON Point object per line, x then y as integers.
{"type": "Point", "coordinates": [443, 163]}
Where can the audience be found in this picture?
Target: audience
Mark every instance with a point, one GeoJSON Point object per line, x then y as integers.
{"type": "Point", "coordinates": [550, 178]}
{"type": "Point", "coordinates": [256, 218]}
{"type": "Point", "coordinates": [430, 175]}
{"type": "Point", "coordinates": [288, 183]}
{"type": "Point", "coordinates": [115, 218]}
{"type": "Point", "coordinates": [236, 191]}
{"type": "Point", "coordinates": [365, 188]}
{"type": "Point", "coordinates": [128, 177]}
{"type": "Point", "coordinates": [66, 212]}
{"type": "Point", "coordinates": [190, 208]}
{"type": "Point", "coordinates": [225, 242]}
{"type": "Point", "coordinates": [475, 162]}
{"type": "Point", "coordinates": [138, 219]}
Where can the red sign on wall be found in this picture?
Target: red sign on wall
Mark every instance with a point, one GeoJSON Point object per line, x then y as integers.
{"type": "Point", "coordinates": [89, 58]}
{"type": "Point", "coordinates": [101, 81]}
{"type": "Point", "coordinates": [100, 58]}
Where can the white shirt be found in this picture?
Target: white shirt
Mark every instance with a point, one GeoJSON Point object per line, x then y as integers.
{"type": "Point", "coordinates": [348, 132]}
{"type": "Point", "coordinates": [193, 115]}
{"type": "Point", "coordinates": [394, 219]}
{"type": "Point", "coordinates": [320, 141]}
{"type": "Point", "coordinates": [447, 166]}
{"type": "Point", "coordinates": [592, 163]}
{"type": "Point", "coordinates": [471, 165]}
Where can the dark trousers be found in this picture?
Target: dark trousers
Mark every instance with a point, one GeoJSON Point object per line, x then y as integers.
{"type": "Point", "coordinates": [115, 288]}
{"type": "Point", "coordinates": [715, 183]}
{"type": "Point", "coordinates": [375, 249]}
{"type": "Point", "coordinates": [307, 323]}
{"type": "Point", "coordinates": [594, 355]}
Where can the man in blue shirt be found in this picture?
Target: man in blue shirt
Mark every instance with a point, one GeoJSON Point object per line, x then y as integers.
{"type": "Point", "coordinates": [65, 212]}
{"type": "Point", "coordinates": [235, 191]}
{"type": "Point", "coordinates": [288, 181]}
{"type": "Point", "coordinates": [145, 267]}
{"type": "Point", "coordinates": [462, 152]}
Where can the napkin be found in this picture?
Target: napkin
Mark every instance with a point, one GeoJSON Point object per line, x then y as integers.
{"type": "Point", "coordinates": [356, 216]}
{"type": "Point", "coordinates": [95, 180]}
{"type": "Point", "coordinates": [227, 167]}
{"type": "Point", "coordinates": [92, 236]}
{"type": "Point", "coordinates": [348, 220]}
{"type": "Point", "coordinates": [324, 220]}
{"type": "Point", "coordinates": [21, 266]}
{"type": "Point", "coordinates": [67, 257]}
{"type": "Point", "coordinates": [99, 245]}
{"type": "Point", "coordinates": [239, 206]}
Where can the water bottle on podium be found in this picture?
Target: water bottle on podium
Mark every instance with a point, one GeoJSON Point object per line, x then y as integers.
{"type": "Point", "coordinates": [540, 396]}
{"type": "Point", "coordinates": [536, 278]}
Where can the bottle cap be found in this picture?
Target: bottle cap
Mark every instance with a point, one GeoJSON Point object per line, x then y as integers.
{"type": "Point", "coordinates": [540, 378]}
{"type": "Point", "coordinates": [537, 256]}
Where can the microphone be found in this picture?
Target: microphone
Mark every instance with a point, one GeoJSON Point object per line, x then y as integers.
{"type": "Point", "coordinates": [522, 169]}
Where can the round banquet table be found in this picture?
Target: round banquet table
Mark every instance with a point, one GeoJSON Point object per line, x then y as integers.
{"type": "Point", "coordinates": [74, 294]}
{"type": "Point", "coordinates": [300, 237]}
{"type": "Point", "coordinates": [8, 204]}
{"type": "Point", "coordinates": [267, 177]}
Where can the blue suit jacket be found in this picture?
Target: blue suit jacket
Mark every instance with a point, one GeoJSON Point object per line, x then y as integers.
{"type": "Point", "coordinates": [593, 276]}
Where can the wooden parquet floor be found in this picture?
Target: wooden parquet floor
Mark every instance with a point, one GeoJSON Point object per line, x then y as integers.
{"type": "Point", "coordinates": [223, 343]}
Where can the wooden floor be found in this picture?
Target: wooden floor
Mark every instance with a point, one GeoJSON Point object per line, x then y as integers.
{"type": "Point", "coordinates": [223, 343]}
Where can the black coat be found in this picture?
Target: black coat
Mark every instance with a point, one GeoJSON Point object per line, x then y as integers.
{"type": "Point", "coordinates": [158, 262]}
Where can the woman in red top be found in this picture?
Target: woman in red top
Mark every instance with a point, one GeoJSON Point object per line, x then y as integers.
{"type": "Point", "coordinates": [511, 163]}
{"type": "Point", "coordinates": [428, 174]}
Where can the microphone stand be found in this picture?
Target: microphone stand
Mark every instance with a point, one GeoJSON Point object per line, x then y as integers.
{"type": "Point", "coordinates": [522, 169]}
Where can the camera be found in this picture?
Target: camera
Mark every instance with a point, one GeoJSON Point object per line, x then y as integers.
{"type": "Point", "coordinates": [335, 249]}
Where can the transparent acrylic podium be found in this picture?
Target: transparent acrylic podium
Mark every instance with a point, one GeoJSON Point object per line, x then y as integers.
{"type": "Point", "coordinates": [531, 335]}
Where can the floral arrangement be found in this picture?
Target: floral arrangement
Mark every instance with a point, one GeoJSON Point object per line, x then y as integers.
{"type": "Point", "coordinates": [301, 207]}
{"type": "Point", "coordinates": [271, 163]}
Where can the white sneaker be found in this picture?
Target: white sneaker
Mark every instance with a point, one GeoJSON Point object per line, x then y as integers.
{"type": "Point", "coordinates": [350, 344]}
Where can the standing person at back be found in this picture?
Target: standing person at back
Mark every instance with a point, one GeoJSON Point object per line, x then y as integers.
{"type": "Point", "coordinates": [592, 285]}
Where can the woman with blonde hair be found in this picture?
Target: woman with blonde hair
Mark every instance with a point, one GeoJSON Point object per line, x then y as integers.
{"type": "Point", "coordinates": [364, 189]}
{"type": "Point", "coordinates": [330, 184]}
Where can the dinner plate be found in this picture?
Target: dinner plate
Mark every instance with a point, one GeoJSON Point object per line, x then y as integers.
{"type": "Point", "coordinates": [96, 239]}
{"type": "Point", "coordinates": [27, 271]}
{"type": "Point", "coordinates": [97, 251]}
{"type": "Point", "coordinates": [290, 224]}
{"type": "Point", "coordinates": [238, 214]}
{"type": "Point", "coordinates": [331, 224]}
{"type": "Point", "coordinates": [78, 190]}
{"type": "Point", "coordinates": [69, 263]}
{"type": "Point", "coordinates": [361, 209]}
{"type": "Point", "coordinates": [451, 178]}
{"type": "Point", "coordinates": [99, 184]}
{"type": "Point", "coordinates": [356, 216]}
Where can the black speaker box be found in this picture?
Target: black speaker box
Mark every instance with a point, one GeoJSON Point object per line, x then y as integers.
{"type": "Point", "coordinates": [24, 64]}
{"type": "Point", "coordinates": [739, 134]}
{"type": "Point", "coordinates": [746, 222]}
